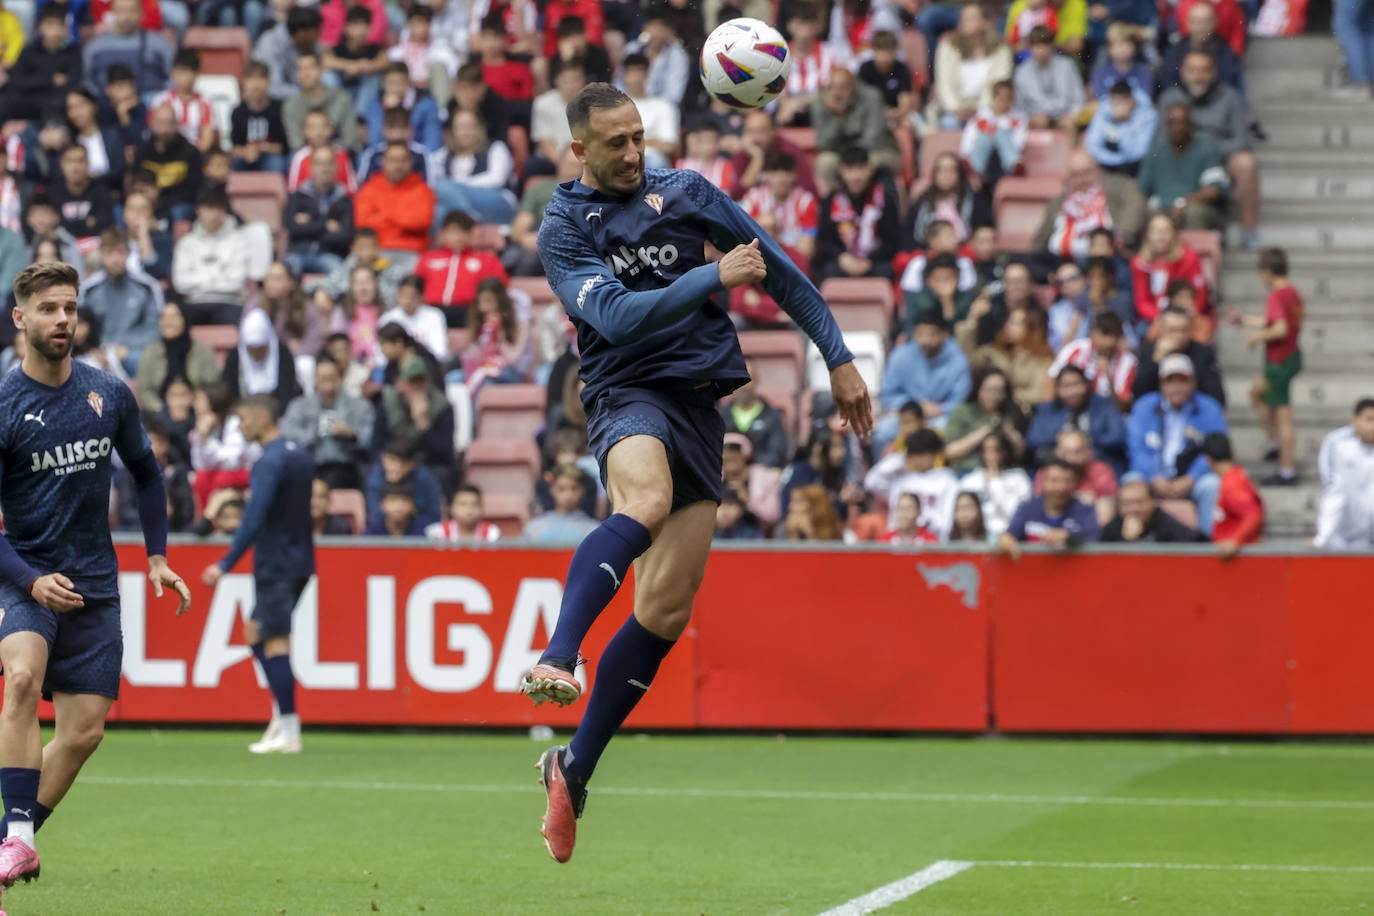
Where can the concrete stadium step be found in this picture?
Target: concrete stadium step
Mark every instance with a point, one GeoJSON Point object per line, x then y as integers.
{"type": "Point", "coordinates": [1324, 359]}
{"type": "Point", "coordinates": [1316, 107]}
{"type": "Point", "coordinates": [1335, 212]}
{"type": "Point", "coordinates": [1303, 183]}
{"type": "Point", "coordinates": [1318, 278]}
{"type": "Point", "coordinates": [1337, 393]}
{"type": "Point", "coordinates": [1297, 133]}
{"type": "Point", "coordinates": [1314, 157]}
{"type": "Point", "coordinates": [1249, 443]}
{"type": "Point", "coordinates": [1298, 52]}
{"type": "Point", "coordinates": [1348, 236]}
{"type": "Point", "coordinates": [1294, 502]}
{"type": "Point", "coordinates": [1266, 84]}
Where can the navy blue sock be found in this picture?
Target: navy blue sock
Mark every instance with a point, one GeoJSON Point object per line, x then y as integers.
{"type": "Point", "coordinates": [591, 585]}
{"type": "Point", "coordinates": [19, 787]}
{"type": "Point", "coordinates": [40, 815]}
{"type": "Point", "coordinates": [281, 682]}
{"type": "Point", "coordinates": [623, 674]}
{"type": "Point", "coordinates": [258, 653]}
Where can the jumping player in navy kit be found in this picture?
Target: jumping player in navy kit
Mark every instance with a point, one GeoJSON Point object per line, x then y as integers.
{"type": "Point", "coordinates": [625, 251]}
{"type": "Point", "coordinates": [59, 630]}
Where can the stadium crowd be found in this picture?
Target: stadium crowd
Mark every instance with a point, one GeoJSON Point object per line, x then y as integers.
{"type": "Point", "coordinates": [1032, 199]}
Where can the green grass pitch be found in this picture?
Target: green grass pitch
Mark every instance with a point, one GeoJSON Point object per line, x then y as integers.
{"type": "Point", "coordinates": [188, 823]}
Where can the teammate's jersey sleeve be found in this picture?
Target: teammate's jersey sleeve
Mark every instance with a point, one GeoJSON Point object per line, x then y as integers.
{"type": "Point", "coordinates": [262, 486]}
{"type": "Point", "coordinates": [786, 283]}
{"type": "Point", "coordinates": [590, 292]}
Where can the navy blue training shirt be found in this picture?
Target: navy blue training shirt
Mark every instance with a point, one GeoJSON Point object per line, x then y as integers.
{"type": "Point", "coordinates": [55, 446]}
{"type": "Point", "coordinates": [632, 274]}
{"type": "Point", "coordinates": [276, 521]}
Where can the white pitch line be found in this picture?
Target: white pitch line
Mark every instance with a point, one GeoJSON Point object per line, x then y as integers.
{"type": "Point", "coordinates": [759, 794]}
{"type": "Point", "coordinates": [899, 890]}
{"type": "Point", "coordinates": [1183, 866]}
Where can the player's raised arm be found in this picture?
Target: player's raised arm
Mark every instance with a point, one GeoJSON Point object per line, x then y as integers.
{"type": "Point", "coordinates": [150, 495]}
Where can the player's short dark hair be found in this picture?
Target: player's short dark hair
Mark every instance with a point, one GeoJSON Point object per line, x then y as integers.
{"type": "Point", "coordinates": [359, 14]}
{"type": "Point", "coordinates": [854, 155]}
{"type": "Point", "coordinates": [569, 26]}
{"type": "Point", "coordinates": [396, 116]}
{"type": "Point", "coordinates": [932, 317]}
{"type": "Point", "coordinates": [394, 68]}
{"type": "Point", "coordinates": [1175, 312]}
{"type": "Point", "coordinates": [635, 59]}
{"type": "Point", "coordinates": [1275, 261]}
{"type": "Point", "coordinates": [1109, 323]}
{"type": "Point", "coordinates": [1101, 265]}
{"type": "Point", "coordinates": [420, 11]}
{"type": "Point", "coordinates": [1103, 230]}
{"type": "Point", "coordinates": [1003, 86]}
{"type": "Point", "coordinates": [469, 73]}
{"type": "Point", "coordinates": [593, 97]}
{"type": "Point", "coordinates": [259, 69]}
{"type": "Point", "coordinates": [1217, 446]}
{"type": "Point", "coordinates": [492, 22]}
{"type": "Point", "coordinates": [1181, 285]}
{"type": "Point", "coordinates": [460, 219]}
{"type": "Point", "coordinates": [403, 490]}
{"type": "Point", "coordinates": [118, 73]}
{"type": "Point", "coordinates": [1122, 88]}
{"type": "Point", "coordinates": [883, 40]}
{"type": "Point", "coordinates": [924, 442]}
{"type": "Point", "coordinates": [1364, 404]}
{"type": "Point", "coordinates": [913, 407]}
{"type": "Point", "coordinates": [569, 472]}
{"type": "Point", "coordinates": [471, 489]}
{"type": "Point", "coordinates": [213, 197]}
{"type": "Point", "coordinates": [56, 11]}
{"type": "Point", "coordinates": [945, 260]}
{"type": "Point", "coordinates": [778, 160]}
{"type": "Point", "coordinates": [400, 446]}
{"type": "Point", "coordinates": [36, 278]}
{"type": "Point", "coordinates": [154, 425]}
{"type": "Point", "coordinates": [114, 237]}
{"type": "Point", "coordinates": [263, 402]}
{"type": "Point", "coordinates": [187, 58]}
{"type": "Point", "coordinates": [303, 19]}
{"type": "Point", "coordinates": [1062, 465]}
{"type": "Point", "coordinates": [1041, 35]}
{"type": "Point", "coordinates": [413, 282]}
{"type": "Point", "coordinates": [391, 332]}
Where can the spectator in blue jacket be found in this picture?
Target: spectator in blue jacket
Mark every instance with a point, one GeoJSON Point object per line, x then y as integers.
{"type": "Point", "coordinates": [1166, 430]}
{"type": "Point", "coordinates": [127, 303]}
{"type": "Point", "coordinates": [398, 92]}
{"type": "Point", "coordinates": [1123, 60]}
{"type": "Point", "coordinates": [1076, 407]}
{"type": "Point", "coordinates": [1122, 129]}
{"type": "Point", "coordinates": [929, 369]}
{"type": "Point", "coordinates": [398, 465]}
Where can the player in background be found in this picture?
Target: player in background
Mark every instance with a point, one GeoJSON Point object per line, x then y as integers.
{"type": "Point", "coordinates": [277, 524]}
{"type": "Point", "coordinates": [625, 251]}
{"type": "Point", "coordinates": [59, 631]}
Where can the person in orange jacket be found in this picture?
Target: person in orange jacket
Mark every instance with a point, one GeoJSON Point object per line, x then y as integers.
{"type": "Point", "coordinates": [396, 203]}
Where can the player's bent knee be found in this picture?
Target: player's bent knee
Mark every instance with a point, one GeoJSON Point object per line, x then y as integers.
{"type": "Point", "coordinates": [23, 684]}
{"type": "Point", "coordinates": [88, 738]}
{"type": "Point", "coordinates": [649, 507]}
{"type": "Point", "coordinates": [667, 621]}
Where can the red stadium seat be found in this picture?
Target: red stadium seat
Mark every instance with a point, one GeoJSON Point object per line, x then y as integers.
{"type": "Point", "coordinates": [502, 466]}
{"type": "Point", "coordinates": [917, 53]}
{"type": "Point", "coordinates": [510, 411]}
{"type": "Point", "coordinates": [1207, 244]}
{"type": "Point", "coordinates": [932, 145]}
{"type": "Point", "coordinates": [1047, 153]}
{"type": "Point", "coordinates": [350, 503]}
{"type": "Point", "coordinates": [1019, 205]}
{"type": "Point", "coordinates": [258, 196]}
{"type": "Point", "coordinates": [860, 303]}
{"type": "Point", "coordinates": [784, 401]}
{"type": "Point", "coordinates": [776, 358]}
{"type": "Point", "coordinates": [218, 337]}
{"type": "Point", "coordinates": [803, 138]}
{"type": "Point", "coordinates": [507, 511]}
{"type": "Point", "coordinates": [222, 49]}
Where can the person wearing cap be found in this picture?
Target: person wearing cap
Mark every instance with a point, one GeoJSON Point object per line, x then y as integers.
{"type": "Point", "coordinates": [416, 408]}
{"type": "Point", "coordinates": [261, 363]}
{"type": "Point", "coordinates": [1165, 435]}
{"type": "Point", "coordinates": [1121, 131]}
{"type": "Point", "coordinates": [860, 221]}
{"type": "Point", "coordinates": [929, 369]}
{"type": "Point", "coordinates": [210, 264]}
{"type": "Point", "coordinates": [1239, 515]}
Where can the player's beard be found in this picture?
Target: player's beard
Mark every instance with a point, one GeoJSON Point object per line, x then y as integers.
{"type": "Point", "coordinates": [49, 349]}
{"type": "Point", "coordinates": [617, 181]}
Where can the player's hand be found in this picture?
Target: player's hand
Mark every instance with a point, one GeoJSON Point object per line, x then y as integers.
{"type": "Point", "coordinates": [851, 399]}
{"type": "Point", "coordinates": [212, 575]}
{"type": "Point", "coordinates": [161, 575]}
{"type": "Point", "coordinates": [742, 265]}
{"type": "Point", "coordinates": [56, 593]}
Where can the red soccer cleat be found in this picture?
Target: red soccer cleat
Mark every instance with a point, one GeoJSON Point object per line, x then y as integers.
{"type": "Point", "coordinates": [552, 680]}
{"type": "Point", "coordinates": [18, 861]}
{"type": "Point", "coordinates": [559, 826]}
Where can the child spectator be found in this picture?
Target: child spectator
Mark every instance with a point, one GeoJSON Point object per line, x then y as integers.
{"type": "Point", "coordinates": [941, 238]}
{"type": "Point", "coordinates": [452, 270]}
{"type": "Point", "coordinates": [399, 516]}
{"type": "Point", "coordinates": [210, 265]}
{"type": "Point", "coordinates": [223, 513]}
{"type": "Point", "coordinates": [359, 313]}
{"type": "Point", "coordinates": [1271, 393]}
{"type": "Point", "coordinates": [969, 526]}
{"type": "Point", "coordinates": [916, 472]}
{"type": "Point", "coordinates": [358, 60]}
{"type": "Point", "coordinates": [999, 485]}
{"type": "Point", "coordinates": [123, 110]}
{"type": "Point", "coordinates": [1141, 521]}
{"type": "Point", "coordinates": [506, 76]}
{"type": "Point", "coordinates": [946, 212]}
{"type": "Point", "coordinates": [1239, 517]}
{"type": "Point", "coordinates": [390, 268]}
{"type": "Point", "coordinates": [783, 208]}
{"type": "Point", "coordinates": [465, 523]}
{"type": "Point", "coordinates": [322, 521]}
{"type": "Point", "coordinates": [424, 323]}
{"type": "Point", "coordinates": [501, 349]}
{"type": "Point", "coordinates": [566, 524]}
{"type": "Point", "coordinates": [255, 128]}
{"type": "Point", "coordinates": [1122, 130]}
{"type": "Point", "coordinates": [733, 521]}
{"type": "Point", "coordinates": [127, 305]}
{"type": "Point", "coordinates": [195, 118]}
{"type": "Point", "coordinates": [219, 454]}
{"type": "Point", "coordinates": [1122, 63]}
{"type": "Point", "coordinates": [884, 72]}
{"type": "Point", "coordinates": [939, 293]}
{"type": "Point", "coordinates": [1055, 518]}
{"type": "Point", "coordinates": [398, 465]}
{"type": "Point", "coordinates": [318, 133]}
{"type": "Point", "coordinates": [929, 369]}
{"type": "Point", "coordinates": [704, 156]}
{"type": "Point", "coordinates": [315, 95]}
{"type": "Point", "coordinates": [1105, 358]}
{"type": "Point", "coordinates": [1048, 85]}
{"type": "Point", "coordinates": [49, 64]}
{"type": "Point", "coordinates": [428, 59]}
{"type": "Point", "coordinates": [995, 137]}
{"type": "Point", "coordinates": [906, 527]}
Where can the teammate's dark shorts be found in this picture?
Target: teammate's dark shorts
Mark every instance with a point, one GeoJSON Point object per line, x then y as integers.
{"type": "Point", "coordinates": [274, 602]}
{"type": "Point", "coordinates": [1278, 380]}
{"type": "Point", "coordinates": [684, 419]}
{"type": "Point", "coordinates": [85, 647]}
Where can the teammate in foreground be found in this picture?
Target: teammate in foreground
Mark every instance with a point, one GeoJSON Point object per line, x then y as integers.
{"type": "Point", "coordinates": [277, 524]}
{"type": "Point", "coordinates": [59, 633]}
{"type": "Point", "coordinates": [624, 249]}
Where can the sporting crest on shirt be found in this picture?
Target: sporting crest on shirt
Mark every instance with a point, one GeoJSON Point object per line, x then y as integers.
{"type": "Point", "coordinates": [655, 201]}
{"type": "Point", "coordinates": [97, 403]}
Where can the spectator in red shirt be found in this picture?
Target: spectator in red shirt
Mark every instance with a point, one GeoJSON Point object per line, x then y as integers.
{"type": "Point", "coordinates": [452, 271]}
{"type": "Point", "coordinates": [1163, 258]}
{"type": "Point", "coordinates": [509, 78]}
{"type": "Point", "coordinates": [319, 130]}
{"type": "Point", "coordinates": [465, 523]}
{"type": "Point", "coordinates": [906, 526]}
{"type": "Point", "coordinates": [1228, 16]}
{"type": "Point", "coordinates": [759, 138]}
{"type": "Point", "coordinates": [396, 204]}
{"type": "Point", "coordinates": [1278, 330]}
{"type": "Point", "coordinates": [1239, 515]}
{"type": "Point", "coordinates": [1105, 359]}
{"type": "Point", "coordinates": [591, 12]}
{"type": "Point", "coordinates": [1096, 479]}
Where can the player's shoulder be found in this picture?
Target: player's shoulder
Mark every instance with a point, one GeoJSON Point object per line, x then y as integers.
{"type": "Point", "coordinates": [98, 385]}
{"type": "Point", "coordinates": [694, 184]}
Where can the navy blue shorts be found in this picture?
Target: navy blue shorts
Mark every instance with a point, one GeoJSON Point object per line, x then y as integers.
{"type": "Point", "coordinates": [684, 420]}
{"type": "Point", "coordinates": [273, 604]}
{"type": "Point", "coordinates": [85, 647]}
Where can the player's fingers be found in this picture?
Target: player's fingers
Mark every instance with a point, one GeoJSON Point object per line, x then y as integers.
{"type": "Point", "coordinates": [62, 580]}
{"type": "Point", "coordinates": [754, 244]}
{"type": "Point", "coordinates": [157, 588]}
{"type": "Point", "coordinates": [185, 604]}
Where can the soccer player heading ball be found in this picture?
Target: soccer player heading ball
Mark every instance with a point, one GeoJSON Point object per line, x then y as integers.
{"type": "Point", "coordinates": [625, 251]}
{"type": "Point", "coordinates": [59, 629]}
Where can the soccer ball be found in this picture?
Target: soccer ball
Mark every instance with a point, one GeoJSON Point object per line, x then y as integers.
{"type": "Point", "coordinates": [745, 63]}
